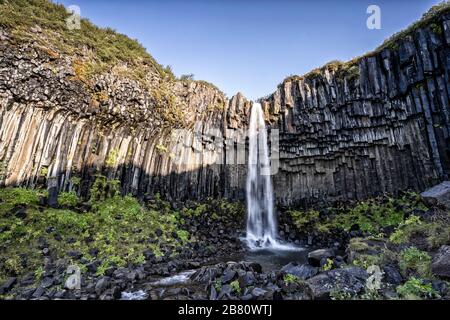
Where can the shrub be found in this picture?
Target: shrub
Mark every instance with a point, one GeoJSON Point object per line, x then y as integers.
{"type": "Point", "coordinates": [414, 289]}
{"type": "Point", "coordinates": [366, 260]}
{"type": "Point", "coordinates": [235, 286]}
{"type": "Point", "coordinates": [416, 261]}
{"type": "Point", "coordinates": [290, 278]}
{"type": "Point", "coordinates": [304, 220]}
{"type": "Point", "coordinates": [20, 196]}
{"type": "Point", "coordinates": [110, 46]}
{"type": "Point", "coordinates": [68, 199]}
{"type": "Point", "coordinates": [328, 265]}
{"type": "Point", "coordinates": [183, 235]}
{"type": "Point", "coordinates": [437, 233]}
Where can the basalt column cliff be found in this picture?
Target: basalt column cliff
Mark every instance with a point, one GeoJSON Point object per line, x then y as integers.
{"type": "Point", "coordinates": [379, 123]}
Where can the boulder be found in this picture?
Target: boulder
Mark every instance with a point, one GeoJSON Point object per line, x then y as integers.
{"type": "Point", "coordinates": [440, 193]}
{"type": "Point", "coordinates": [102, 284]}
{"type": "Point", "coordinates": [225, 291]}
{"type": "Point", "coordinates": [350, 280]}
{"type": "Point", "coordinates": [392, 275]}
{"type": "Point", "coordinates": [228, 275]}
{"type": "Point", "coordinates": [207, 274]}
{"type": "Point", "coordinates": [258, 292]}
{"type": "Point", "coordinates": [8, 285]}
{"type": "Point", "coordinates": [315, 256]}
{"type": "Point", "coordinates": [440, 265]}
{"type": "Point", "coordinates": [304, 271]}
{"type": "Point", "coordinates": [247, 279]}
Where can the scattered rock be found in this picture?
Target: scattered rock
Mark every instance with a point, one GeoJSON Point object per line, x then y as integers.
{"type": "Point", "coordinates": [102, 285]}
{"type": "Point", "coordinates": [228, 275]}
{"type": "Point", "coordinates": [47, 282]}
{"type": "Point", "coordinates": [350, 280]}
{"type": "Point", "coordinates": [258, 292]}
{"type": "Point", "coordinates": [315, 256]}
{"type": "Point", "coordinates": [440, 193]}
{"type": "Point", "coordinates": [75, 254]}
{"type": "Point", "coordinates": [303, 271]}
{"type": "Point", "coordinates": [392, 275]}
{"type": "Point", "coordinates": [8, 285]}
{"type": "Point", "coordinates": [38, 292]}
{"type": "Point", "coordinates": [225, 291]}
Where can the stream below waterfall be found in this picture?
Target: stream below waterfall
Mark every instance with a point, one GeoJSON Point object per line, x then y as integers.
{"type": "Point", "coordinates": [269, 259]}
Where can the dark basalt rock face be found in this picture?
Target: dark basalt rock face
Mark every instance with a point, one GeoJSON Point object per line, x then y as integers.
{"type": "Point", "coordinates": [382, 127]}
{"type": "Point", "coordinates": [383, 130]}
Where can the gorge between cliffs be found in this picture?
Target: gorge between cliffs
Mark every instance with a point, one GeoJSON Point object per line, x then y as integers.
{"type": "Point", "coordinates": [119, 180]}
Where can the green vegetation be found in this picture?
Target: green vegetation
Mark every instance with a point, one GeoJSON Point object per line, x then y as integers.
{"type": "Point", "coordinates": [215, 209]}
{"type": "Point", "coordinates": [366, 260]}
{"type": "Point", "coordinates": [415, 289]}
{"type": "Point", "coordinates": [117, 227]}
{"type": "Point", "coordinates": [430, 18]}
{"type": "Point", "coordinates": [416, 261]}
{"type": "Point", "coordinates": [436, 233]}
{"type": "Point", "coordinates": [370, 216]}
{"type": "Point", "coordinates": [290, 278]}
{"type": "Point", "coordinates": [110, 47]}
{"type": "Point", "coordinates": [111, 159]}
{"type": "Point", "coordinates": [328, 265]}
{"type": "Point", "coordinates": [235, 286]}
{"type": "Point", "coordinates": [93, 51]}
{"type": "Point", "coordinates": [68, 199]}
{"type": "Point", "coordinates": [18, 196]}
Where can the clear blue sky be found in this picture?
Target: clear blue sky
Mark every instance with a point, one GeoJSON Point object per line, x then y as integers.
{"type": "Point", "coordinates": [251, 45]}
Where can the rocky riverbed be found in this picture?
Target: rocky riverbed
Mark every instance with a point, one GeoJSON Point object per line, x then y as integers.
{"type": "Point", "coordinates": [195, 251]}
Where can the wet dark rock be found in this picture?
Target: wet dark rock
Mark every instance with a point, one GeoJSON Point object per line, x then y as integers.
{"type": "Point", "coordinates": [27, 280]}
{"type": "Point", "coordinates": [102, 285]}
{"type": "Point", "coordinates": [93, 252]}
{"type": "Point", "coordinates": [47, 282]}
{"type": "Point", "coordinates": [440, 193]}
{"type": "Point", "coordinates": [303, 271]}
{"type": "Point", "coordinates": [440, 265]}
{"type": "Point", "coordinates": [212, 293]}
{"type": "Point", "coordinates": [247, 279]}
{"type": "Point", "coordinates": [59, 294]}
{"type": "Point", "coordinates": [247, 297]}
{"type": "Point", "coordinates": [315, 256]}
{"type": "Point", "coordinates": [38, 292]}
{"type": "Point", "coordinates": [225, 291]}
{"type": "Point", "coordinates": [228, 275]}
{"type": "Point", "coordinates": [207, 274]}
{"type": "Point", "coordinates": [350, 280]}
{"type": "Point", "coordinates": [149, 255]}
{"type": "Point", "coordinates": [75, 254]}
{"type": "Point", "coordinates": [441, 287]}
{"type": "Point", "coordinates": [8, 285]}
{"type": "Point", "coordinates": [92, 266]}
{"type": "Point", "coordinates": [392, 275]}
{"type": "Point", "coordinates": [258, 292]}
{"type": "Point", "coordinates": [19, 211]}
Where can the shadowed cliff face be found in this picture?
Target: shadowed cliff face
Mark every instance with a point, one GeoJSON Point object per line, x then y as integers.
{"type": "Point", "coordinates": [55, 127]}
{"type": "Point", "coordinates": [381, 126]}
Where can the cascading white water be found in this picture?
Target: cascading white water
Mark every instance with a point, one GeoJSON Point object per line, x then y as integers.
{"type": "Point", "coordinates": [261, 220]}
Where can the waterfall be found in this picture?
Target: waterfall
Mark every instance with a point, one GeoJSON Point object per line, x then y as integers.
{"type": "Point", "coordinates": [261, 220]}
